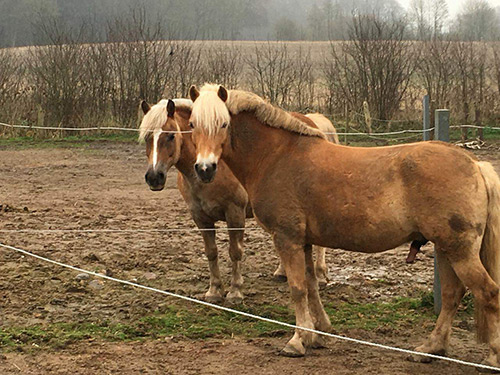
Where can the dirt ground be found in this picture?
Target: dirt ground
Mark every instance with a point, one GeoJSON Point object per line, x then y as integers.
{"type": "Point", "coordinates": [102, 186]}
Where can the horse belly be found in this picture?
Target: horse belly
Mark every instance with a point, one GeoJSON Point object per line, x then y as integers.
{"type": "Point", "coordinates": [364, 222]}
{"type": "Point", "coordinates": [367, 237]}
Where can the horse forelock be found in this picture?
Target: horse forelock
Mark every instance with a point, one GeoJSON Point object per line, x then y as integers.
{"type": "Point", "coordinates": [209, 111]}
{"type": "Point", "coordinates": [156, 118]}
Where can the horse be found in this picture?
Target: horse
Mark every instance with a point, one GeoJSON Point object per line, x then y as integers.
{"type": "Point", "coordinates": [165, 128]}
{"type": "Point", "coordinates": [305, 191]}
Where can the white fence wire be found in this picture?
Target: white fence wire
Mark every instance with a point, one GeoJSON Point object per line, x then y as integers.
{"type": "Point", "coordinates": [249, 315]}
{"type": "Point", "coordinates": [373, 134]}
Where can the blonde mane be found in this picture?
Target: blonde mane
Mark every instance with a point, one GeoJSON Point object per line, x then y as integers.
{"type": "Point", "coordinates": [156, 118]}
{"type": "Point", "coordinates": [239, 101]}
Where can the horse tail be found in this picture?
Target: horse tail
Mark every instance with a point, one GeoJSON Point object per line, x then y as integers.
{"type": "Point", "coordinates": [325, 125]}
{"type": "Point", "coordinates": [490, 247]}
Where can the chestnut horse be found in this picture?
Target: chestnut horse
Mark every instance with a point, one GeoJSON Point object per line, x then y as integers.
{"type": "Point", "coordinates": [307, 191]}
{"type": "Point", "coordinates": [224, 200]}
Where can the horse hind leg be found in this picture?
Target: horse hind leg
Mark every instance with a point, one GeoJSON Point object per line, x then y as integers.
{"type": "Point", "coordinates": [452, 291]}
{"type": "Point", "coordinates": [280, 274]}
{"type": "Point", "coordinates": [486, 293]}
{"type": "Point", "coordinates": [319, 316]}
{"type": "Point", "coordinates": [320, 266]}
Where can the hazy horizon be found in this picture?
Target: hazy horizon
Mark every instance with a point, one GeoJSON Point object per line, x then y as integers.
{"type": "Point", "coordinates": [454, 6]}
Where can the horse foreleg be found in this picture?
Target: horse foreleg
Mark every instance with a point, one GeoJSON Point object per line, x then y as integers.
{"type": "Point", "coordinates": [215, 292]}
{"type": "Point", "coordinates": [318, 313]}
{"type": "Point", "coordinates": [320, 267]}
{"type": "Point", "coordinates": [452, 291]}
{"type": "Point", "coordinates": [237, 220]}
{"type": "Point", "coordinates": [293, 258]}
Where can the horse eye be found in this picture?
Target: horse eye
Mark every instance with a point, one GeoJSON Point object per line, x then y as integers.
{"type": "Point", "coordinates": [191, 125]}
{"type": "Point", "coordinates": [170, 137]}
{"type": "Point", "coordinates": [224, 125]}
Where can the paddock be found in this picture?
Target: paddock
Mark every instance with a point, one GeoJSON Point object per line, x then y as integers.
{"type": "Point", "coordinates": [100, 185]}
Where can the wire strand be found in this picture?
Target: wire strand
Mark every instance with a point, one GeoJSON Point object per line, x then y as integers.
{"type": "Point", "coordinates": [249, 315]}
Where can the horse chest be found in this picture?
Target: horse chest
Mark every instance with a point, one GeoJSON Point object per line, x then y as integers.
{"type": "Point", "coordinates": [206, 207]}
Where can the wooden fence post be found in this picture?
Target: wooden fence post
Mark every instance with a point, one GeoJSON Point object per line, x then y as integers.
{"type": "Point", "coordinates": [347, 122]}
{"type": "Point", "coordinates": [426, 118]}
{"type": "Point", "coordinates": [368, 117]}
{"type": "Point", "coordinates": [442, 133]}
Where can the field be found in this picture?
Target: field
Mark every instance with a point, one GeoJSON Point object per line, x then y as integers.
{"type": "Point", "coordinates": [54, 321]}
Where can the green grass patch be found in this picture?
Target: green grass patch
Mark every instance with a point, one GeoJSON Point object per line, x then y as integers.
{"type": "Point", "coordinates": [400, 311]}
{"type": "Point", "coordinates": [203, 323]}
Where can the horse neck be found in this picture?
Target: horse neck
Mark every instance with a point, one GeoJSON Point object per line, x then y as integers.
{"type": "Point", "coordinates": [188, 152]}
{"type": "Point", "coordinates": [252, 145]}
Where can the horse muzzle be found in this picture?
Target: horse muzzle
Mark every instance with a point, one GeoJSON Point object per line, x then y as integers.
{"type": "Point", "coordinates": [155, 179]}
{"type": "Point", "coordinates": [205, 172]}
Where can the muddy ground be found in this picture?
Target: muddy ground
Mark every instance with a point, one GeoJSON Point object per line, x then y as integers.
{"type": "Point", "coordinates": [101, 185]}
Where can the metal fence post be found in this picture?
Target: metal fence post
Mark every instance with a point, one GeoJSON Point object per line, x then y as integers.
{"type": "Point", "coordinates": [426, 118]}
{"type": "Point", "coordinates": [442, 133]}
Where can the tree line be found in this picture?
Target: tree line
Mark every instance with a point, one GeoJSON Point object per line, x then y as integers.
{"type": "Point", "coordinates": [90, 20]}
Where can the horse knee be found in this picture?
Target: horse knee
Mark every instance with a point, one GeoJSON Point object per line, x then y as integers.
{"type": "Point", "coordinates": [211, 253]}
{"type": "Point", "coordinates": [235, 253]}
{"type": "Point", "coordinates": [298, 293]}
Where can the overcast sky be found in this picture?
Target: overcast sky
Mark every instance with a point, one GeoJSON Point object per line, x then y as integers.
{"type": "Point", "coordinates": [454, 5]}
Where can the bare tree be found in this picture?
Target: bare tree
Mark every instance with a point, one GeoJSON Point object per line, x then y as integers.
{"type": "Point", "coordinates": [142, 63]}
{"type": "Point", "coordinates": [375, 66]}
{"type": "Point", "coordinates": [187, 67]}
{"type": "Point", "coordinates": [271, 71]}
{"type": "Point", "coordinates": [57, 71]}
{"type": "Point", "coordinates": [303, 91]}
{"type": "Point", "coordinates": [428, 17]}
{"type": "Point", "coordinates": [472, 69]}
{"type": "Point", "coordinates": [437, 70]}
{"type": "Point", "coordinates": [223, 64]}
{"type": "Point", "coordinates": [477, 21]}
{"type": "Point", "coordinates": [11, 78]}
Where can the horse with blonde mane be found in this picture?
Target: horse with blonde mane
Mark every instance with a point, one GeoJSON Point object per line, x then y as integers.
{"type": "Point", "coordinates": [165, 130]}
{"type": "Point", "coordinates": [305, 191]}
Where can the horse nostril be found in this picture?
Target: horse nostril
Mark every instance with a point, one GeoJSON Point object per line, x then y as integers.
{"type": "Point", "coordinates": [214, 166]}
{"type": "Point", "coordinates": [161, 175]}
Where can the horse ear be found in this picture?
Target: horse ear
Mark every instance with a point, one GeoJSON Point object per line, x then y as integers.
{"type": "Point", "coordinates": [222, 93]}
{"type": "Point", "coordinates": [194, 93]}
{"type": "Point", "coordinates": [145, 106]}
{"type": "Point", "coordinates": [170, 108]}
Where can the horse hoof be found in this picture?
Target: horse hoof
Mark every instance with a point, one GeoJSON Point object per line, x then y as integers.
{"type": "Point", "coordinates": [486, 370]}
{"type": "Point", "coordinates": [423, 358]}
{"type": "Point", "coordinates": [213, 298]}
{"type": "Point", "coordinates": [319, 342]}
{"type": "Point", "coordinates": [418, 358]}
{"type": "Point", "coordinates": [234, 298]}
{"type": "Point", "coordinates": [292, 352]}
{"type": "Point", "coordinates": [280, 278]}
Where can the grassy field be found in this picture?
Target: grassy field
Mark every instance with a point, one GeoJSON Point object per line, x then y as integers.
{"type": "Point", "coordinates": [194, 322]}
